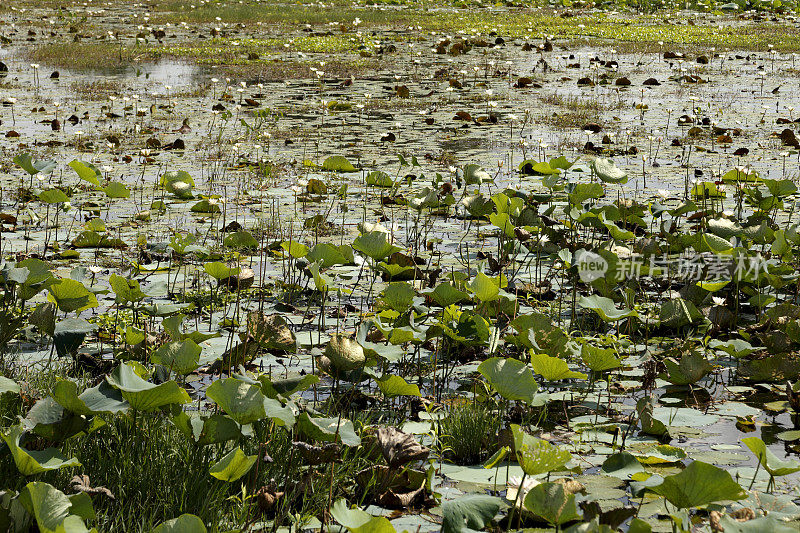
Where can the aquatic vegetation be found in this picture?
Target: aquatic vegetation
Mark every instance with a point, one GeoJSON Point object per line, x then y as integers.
{"type": "Point", "coordinates": [399, 266]}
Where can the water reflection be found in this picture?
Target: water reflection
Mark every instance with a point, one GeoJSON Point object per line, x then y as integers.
{"type": "Point", "coordinates": [165, 72]}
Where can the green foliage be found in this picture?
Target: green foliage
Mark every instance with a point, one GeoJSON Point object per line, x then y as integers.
{"type": "Point", "coordinates": [467, 432]}
{"type": "Point", "coordinates": [699, 484]}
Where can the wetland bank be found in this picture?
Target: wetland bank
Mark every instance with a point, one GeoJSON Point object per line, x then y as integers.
{"type": "Point", "coordinates": [403, 266]}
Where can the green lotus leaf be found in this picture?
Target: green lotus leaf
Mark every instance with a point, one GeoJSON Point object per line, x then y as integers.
{"type": "Point", "coordinates": [537, 456]}
{"type": "Point", "coordinates": [53, 196]}
{"type": "Point", "coordinates": [395, 272]}
{"type": "Point", "coordinates": [741, 174]}
{"type": "Point", "coordinates": [39, 277]}
{"type": "Point", "coordinates": [357, 521]}
{"type": "Point", "coordinates": [338, 163]}
{"type": "Point", "coordinates": [50, 420]}
{"type": "Point", "coordinates": [321, 281]}
{"type": "Point", "coordinates": [585, 191]}
{"type": "Point", "coordinates": [8, 386]}
{"type": "Point", "coordinates": [375, 245]}
{"type": "Point", "coordinates": [650, 424]}
{"type": "Point", "coordinates": [205, 430]}
{"type": "Point", "coordinates": [206, 206]}
{"type": "Point", "coordinates": [445, 294]}
{"type": "Point", "coordinates": [534, 168]}
{"type": "Point", "coordinates": [469, 513]}
{"type": "Point", "coordinates": [724, 227]}
{"type": "Point", "coordinates": [706, 190]}
{"type": "Point", "coordinates": [280, 414]}
{"type": "Point", "coordinates": [126, 290]}
{"type": "Point", "coordinates": [53, 511]}
{"type": "Point", "coordinates": [708, 242]}
{"type": "Point", "coordinates": [690, 369]}
{"type": "Point", "coordinates": [178, 183]}
{"type": "Point", "coordinates": [762, 524]}
{"type": "Point", "coordinates": [511, 378]}
{"type": "Point", "coordinates": [70, 295]}
{"type": "Point", "coordinates": [185, 523]}
{"type": "Point", "coordinates": [102, 398]}
{"type": "Point", "coordinates": [143, 395]}
{"type": "Point", "coordinates": [69, 334]}
{"type": "Point", "coordinates": [485, 288]}
{"type": "Point", "coordinates": [116, 189]}
{"type": "Point", "coordinates": [475, 175]}
{"type": "Point", "coordinates": [399, 295]}
{"type": "Point", "coordinates": [712, 286]}
{"type": "Point", "coordinates": [344, 354]}
{"type": "Point", "coordinates": [295, 249]}
{"type": "Point", "coordinates": [43, 317]}
{"type": "Point", "coordinates": [93, 239]}
{"type": "Point", "coordinates": [605, 308]}
{"type": "Point", "coordinates": [34, 166]}
{"type": "Point", "coordinates": [286, 387]}
{"type": "Point", "coordinates": [553, 368]}
{"type": "Point", "coordinates": [271, 332]}
{"type": "Point", "coordinates": [621, 465]}
{"type": "Point", "coordinates": [699, 484]}
{"type": "Point", "coordinates": [233, 466]}
{"type": "Point", "coordinates": [164, 309]}
{"type": "Point", "coordinates": [328, 255]}
{"type": "Point", "coordinates": [737, 348]}
{"type": "Point", "coordinates": [661, 454]}
{"type": "Point", "coordinates": [181, 357]}
{"type": "Point", "coordinates": [478, 205]}
{"type": "Point", "coordinates": [599, 359]}
{"type": "Point", "coordinates": [607, 171]}
{"type": "Point", "coordinates": [87, 172]}
{"type": "Point", "coordinates": [218, 270]}
{"type": "Point", "coordinates": [683, 416]}
{"type": "Point", "coordinates": [32, 462]}
{"type": "Point", "coordinates": [240, 239]}
{"type": "Point", "coordinates": [503, 221]}
{"type": "Point", "coordinates": [377, 178]}
{"type": "Point", "coordinates": [771, 463]}
{"type": "Point", "coordinates": [551, 502]}
{"type": "Point", "coordinates": [392, 386]}
{"type": "Point", "coordinates": [328, 429]}
{"type": "Point", "coordinates": [243, 402]}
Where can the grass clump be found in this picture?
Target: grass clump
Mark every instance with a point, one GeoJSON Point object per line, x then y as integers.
{"type": "Point", "coordinates": [153, 471]}
{"type": "Point", "coordinates": [467, 432]}
{"type": "Point", "coordinates": [96, 89]}
{"type": "Point", "coordinates": [95, 55]}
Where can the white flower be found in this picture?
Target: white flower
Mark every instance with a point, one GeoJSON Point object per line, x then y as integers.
{"type": "Point", "coordinates": [514, 488]}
